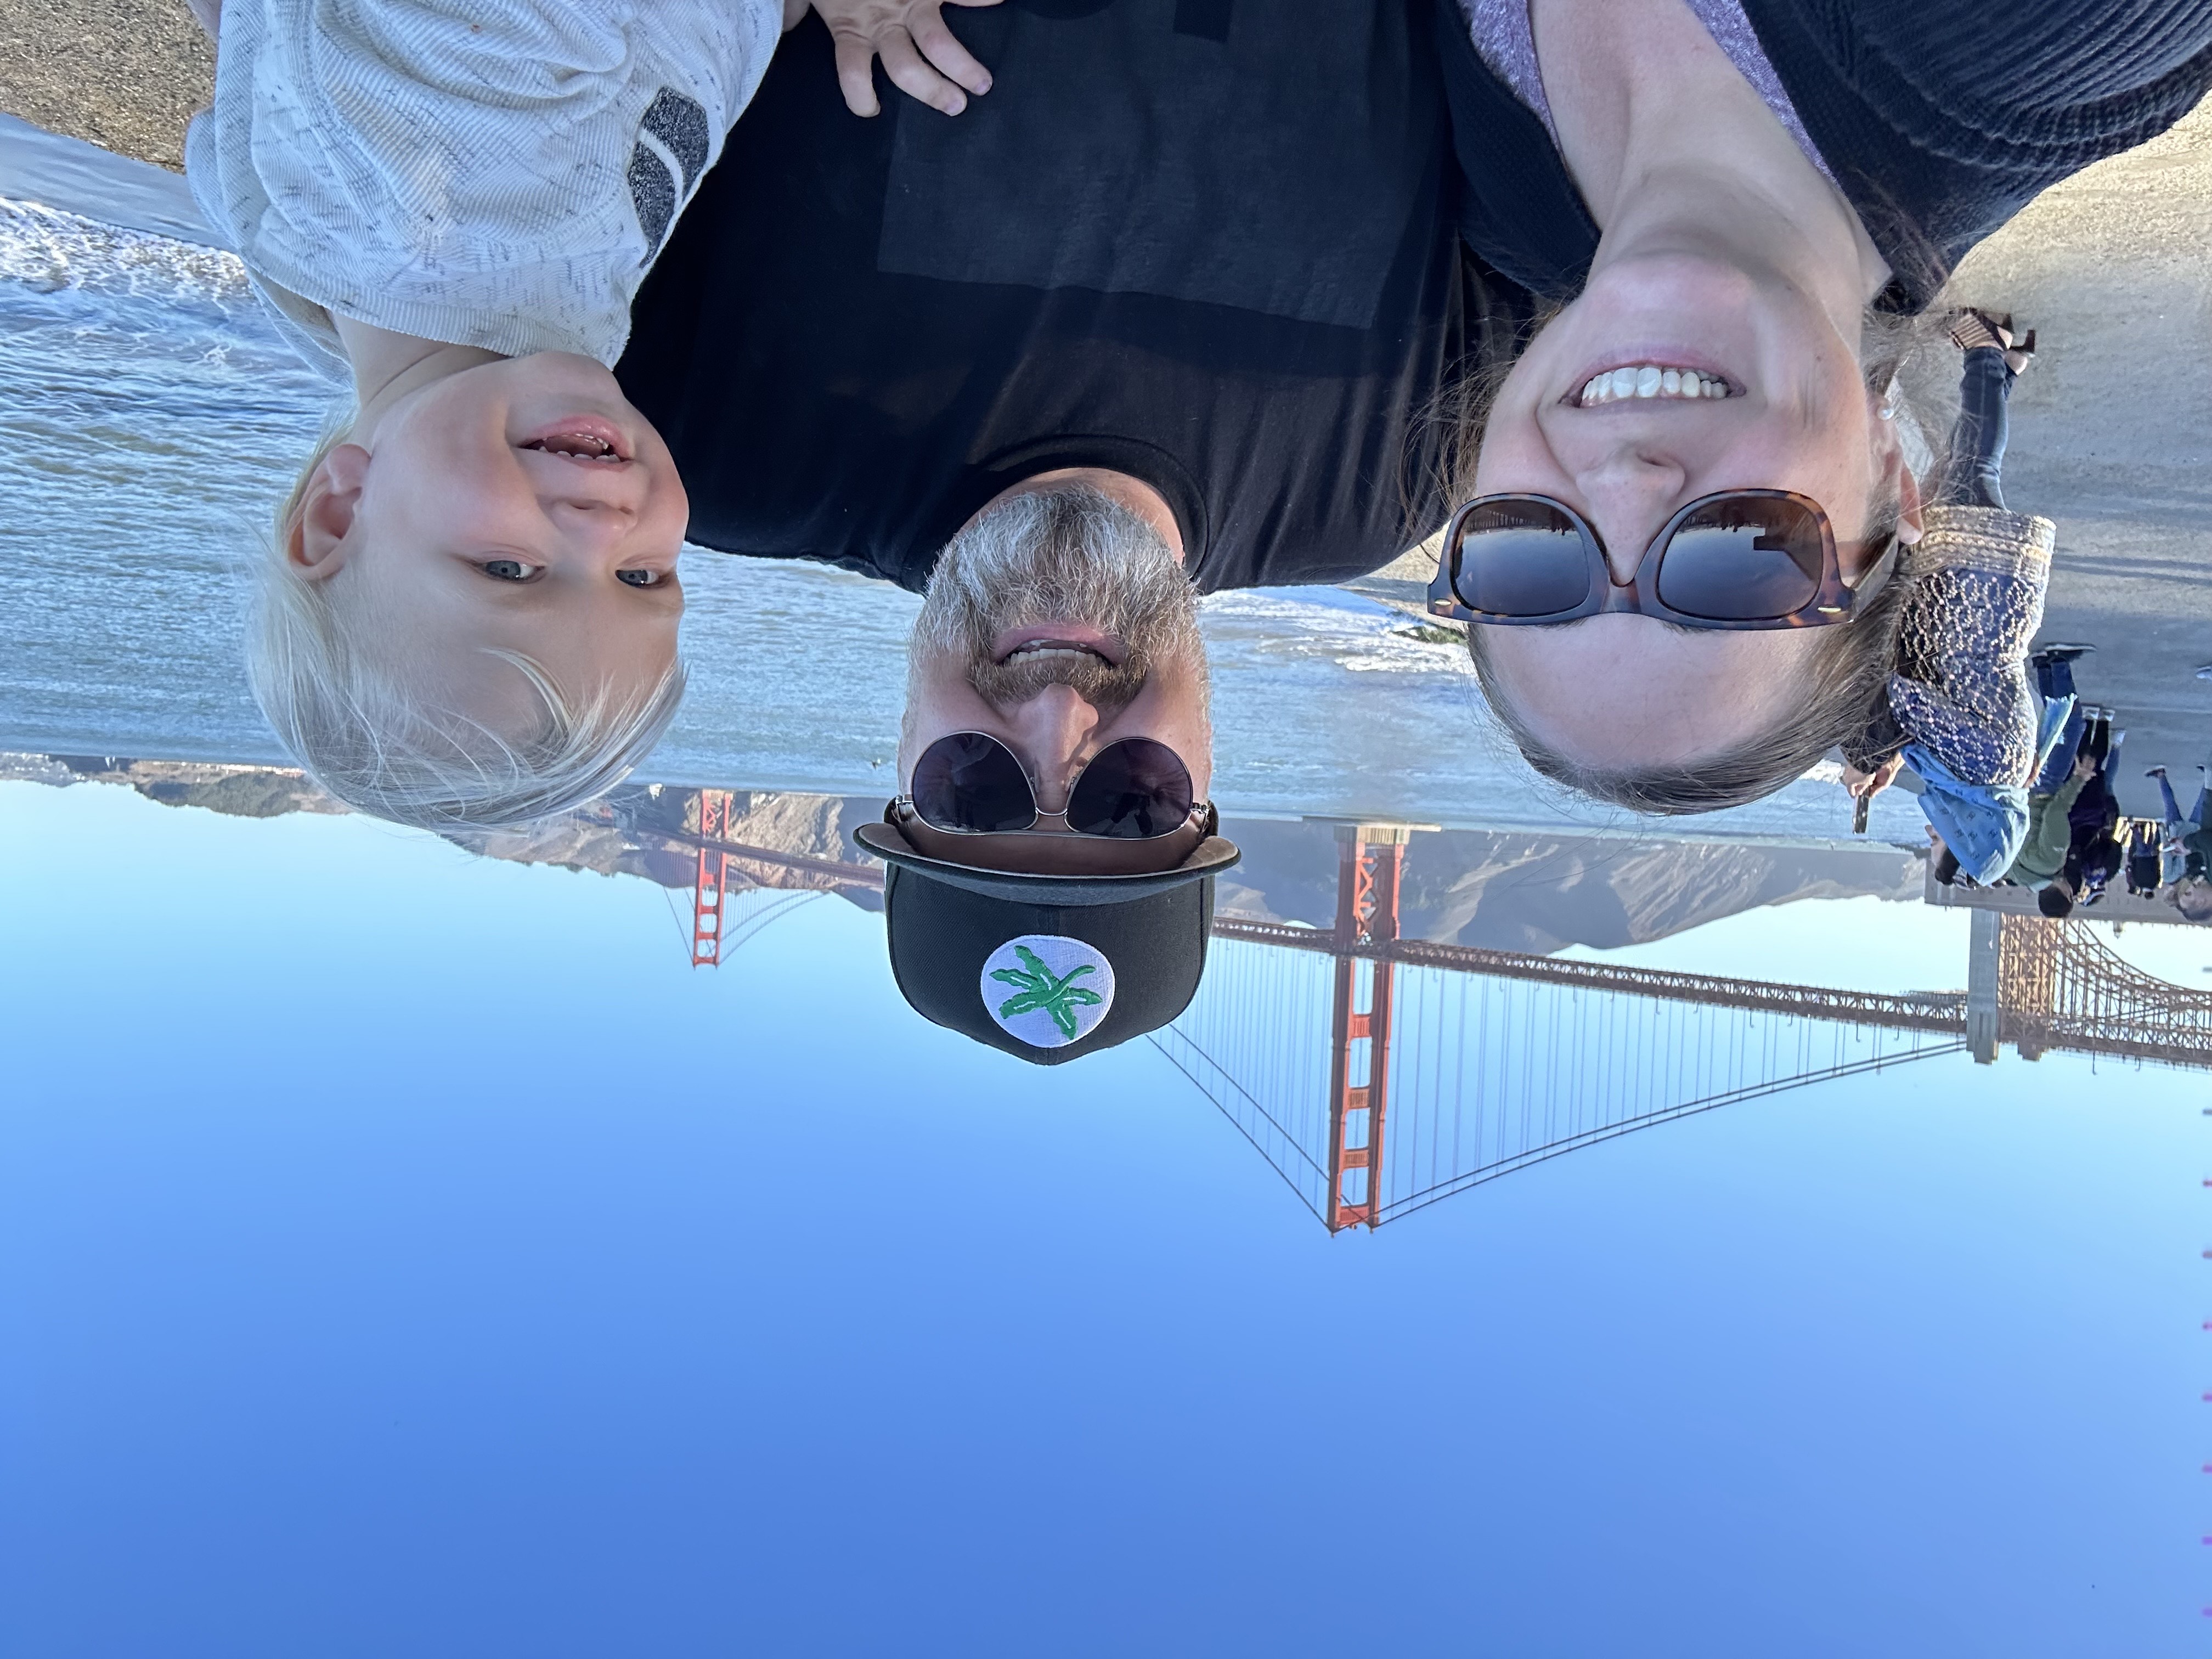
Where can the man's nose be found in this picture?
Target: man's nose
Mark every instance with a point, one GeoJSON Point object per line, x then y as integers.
{"type": "Point", "coordinates": [1630, 492]}
{"type": "Point", "coordinates": [1053, 727]}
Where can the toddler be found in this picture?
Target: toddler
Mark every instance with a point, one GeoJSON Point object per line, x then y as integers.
{"type": "Point", "coordinates": [468, 617]}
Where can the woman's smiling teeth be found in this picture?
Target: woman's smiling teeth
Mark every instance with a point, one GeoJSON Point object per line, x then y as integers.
{"type": "Point", "coordinates": [1649, 380]}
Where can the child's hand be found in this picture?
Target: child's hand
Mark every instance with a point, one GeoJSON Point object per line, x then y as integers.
{"type": "Point", "coordinates": [910, 36]}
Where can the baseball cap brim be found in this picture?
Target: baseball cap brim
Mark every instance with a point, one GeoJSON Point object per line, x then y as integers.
{"type": "Point", "coordinates": [1209, 857]}
{"type": "Point", "coordinates": [945, 923]}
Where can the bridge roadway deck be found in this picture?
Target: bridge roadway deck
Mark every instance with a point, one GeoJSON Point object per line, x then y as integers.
{"type": "Point", "coordinates": [1943, 1015]}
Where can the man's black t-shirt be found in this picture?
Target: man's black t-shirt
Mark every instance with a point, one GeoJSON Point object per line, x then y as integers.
{"type": "Point", "coordinates": [1200, 241]}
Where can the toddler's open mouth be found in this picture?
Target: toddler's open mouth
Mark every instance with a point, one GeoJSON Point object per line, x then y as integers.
{"type": "Point", "coordinates": [580, 438]}
{"type": "Point", "coordinates": [577, 446]}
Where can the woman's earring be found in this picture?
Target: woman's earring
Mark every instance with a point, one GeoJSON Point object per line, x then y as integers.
{"type": "Point", "coordinates": [1888, 411]}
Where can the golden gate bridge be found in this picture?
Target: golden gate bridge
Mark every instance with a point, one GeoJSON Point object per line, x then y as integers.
{"type": "Point", "coordinates": [1378, 1074]}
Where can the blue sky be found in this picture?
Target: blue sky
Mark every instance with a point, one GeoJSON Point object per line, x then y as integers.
{"type": "Point", "coordinates": [403, 1253]}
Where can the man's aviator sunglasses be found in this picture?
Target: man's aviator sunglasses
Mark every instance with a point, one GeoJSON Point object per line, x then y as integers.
{"type": "Point", "coordinates": [1741, 559]}
{"type": "Point", "coordinates": [970, 783]}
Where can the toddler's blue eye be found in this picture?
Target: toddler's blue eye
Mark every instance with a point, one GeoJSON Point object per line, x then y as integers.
{"type": "Point", "coordinates": [507, 570]}
{"type": "Point", "coordinates": [639, 578]}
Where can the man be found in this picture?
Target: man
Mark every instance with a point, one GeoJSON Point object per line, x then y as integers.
{"type": "Point", "coordinates": [1200, 245]}
{"type": "Point", "coordinates": [1052, 850]}
{"type": "Point", "coordinates": [1192, 257]}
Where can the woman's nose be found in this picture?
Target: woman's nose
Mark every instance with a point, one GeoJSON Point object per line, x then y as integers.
{"type": "Point", "coordinates": [1630, 494]}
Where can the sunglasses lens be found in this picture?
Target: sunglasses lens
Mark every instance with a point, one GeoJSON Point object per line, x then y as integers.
{"type": "Point", "coordinates": [972, 782]}
{"type": "Point", "coordinates": [1521, 558]}
{"type": "Point", "coordinates": [1750, 559]}
{"type": "Point", "coordinates": [1132, 790]}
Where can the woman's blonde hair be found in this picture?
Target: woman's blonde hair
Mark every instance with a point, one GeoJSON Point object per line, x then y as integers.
{"type": "Point", "coordinates": [362, 737]}
{"type": "Point", "coordinates": [1845, 673]}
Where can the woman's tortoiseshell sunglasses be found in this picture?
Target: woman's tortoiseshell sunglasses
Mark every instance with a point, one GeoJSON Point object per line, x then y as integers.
{"type": "Point", "coordinates": [1740, 559]}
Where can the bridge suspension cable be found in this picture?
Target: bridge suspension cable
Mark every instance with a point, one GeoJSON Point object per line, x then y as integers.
{"type": "Point", "coordinates": [1487, 1075]}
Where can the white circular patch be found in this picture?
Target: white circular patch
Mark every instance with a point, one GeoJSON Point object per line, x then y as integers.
{"type": "Point", "coordinates": [1048, 990]}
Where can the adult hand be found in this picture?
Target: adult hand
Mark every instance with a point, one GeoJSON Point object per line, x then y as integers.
{"type": "Point", "coordinates": [912, 39]}
{"type": "Point", "coordinates": [1865, 785]}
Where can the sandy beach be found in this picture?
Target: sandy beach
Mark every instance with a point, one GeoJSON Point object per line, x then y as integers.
{"type": "Point", "coordinates": [125, 75]}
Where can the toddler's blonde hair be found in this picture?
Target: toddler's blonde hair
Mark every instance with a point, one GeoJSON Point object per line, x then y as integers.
{"type": "Point", "coordinates": [367, 740]}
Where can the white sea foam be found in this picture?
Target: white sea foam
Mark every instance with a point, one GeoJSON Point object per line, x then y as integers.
{"type": "Point", "coordinates": [48, 250]}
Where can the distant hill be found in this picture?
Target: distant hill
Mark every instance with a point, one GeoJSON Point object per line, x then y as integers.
{"type": "Point", "coordinates": [238, 792]}
{"type": "Point", "coordinates": [1518, 891]}
{"type": "Point", "coordinates": [1502, 890]}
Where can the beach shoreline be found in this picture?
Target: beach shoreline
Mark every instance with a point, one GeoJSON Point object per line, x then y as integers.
{"type": "Point", "coordinates": [2108, 263]}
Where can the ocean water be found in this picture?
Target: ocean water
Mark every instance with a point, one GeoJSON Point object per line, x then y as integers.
{"type": "Point", "coordinates": [151, 419]}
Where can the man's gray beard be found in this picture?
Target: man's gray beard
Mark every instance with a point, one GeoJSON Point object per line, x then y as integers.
{"type": "Point", "coordinates": [1069, 554]}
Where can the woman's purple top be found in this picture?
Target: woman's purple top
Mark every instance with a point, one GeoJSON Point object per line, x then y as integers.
{"type": "Point", "coordinates": [1506, 41]}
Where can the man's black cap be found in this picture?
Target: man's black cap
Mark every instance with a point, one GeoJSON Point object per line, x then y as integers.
{"type": "Point", "coordinates": [1016, 960]}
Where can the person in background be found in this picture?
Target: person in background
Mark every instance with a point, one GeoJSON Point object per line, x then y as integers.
{"type": "Point", "coordinates": [2095, 865]}
{"type": "Point", "coordinates": [2093, 854]}
{"type": "Point", "coordinates": [1947, 861]}
{"type": "Point", "coordinates": [2055, 898]}
{"type": "Point", "coordinates": [2145, 867]}
{"type": "Point", "coordinates": [2187, 847]}
{"type": "Point", "coordinates": [2042, 857]}
{"type": "Point", "coordinates": [2096, 810]}
{"type": "Point", "coordinates": [467, 618]}
{"type": "Point", "coordinates": [2053, 666]}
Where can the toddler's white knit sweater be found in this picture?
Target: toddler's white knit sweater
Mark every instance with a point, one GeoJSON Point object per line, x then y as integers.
{"type": "Point", "coordinates": [497, 173]}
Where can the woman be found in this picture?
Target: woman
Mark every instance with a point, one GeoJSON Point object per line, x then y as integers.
{"type": "Point", "coordinates": [1748, 200]}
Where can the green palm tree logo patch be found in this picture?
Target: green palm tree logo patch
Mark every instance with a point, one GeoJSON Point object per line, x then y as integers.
{"type": "Point", "coordinates": [1046, 989]}
{"type": "Point", "coordinates": [1059, 998]}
